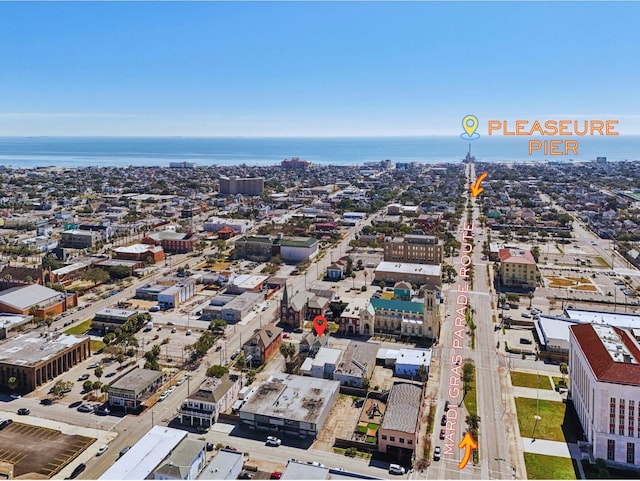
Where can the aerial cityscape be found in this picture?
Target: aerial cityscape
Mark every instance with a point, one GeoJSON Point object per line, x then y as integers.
{"type": "Point", "coordinates": [302, 241]}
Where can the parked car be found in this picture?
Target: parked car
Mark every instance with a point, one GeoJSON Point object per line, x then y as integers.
{"type": "Point", "coordinates": [442, 434]}
{"type": "Point", "coordinates": [209, 446]}
{"type": "Point", "coordinates": [443, 421]}
{"type": "Point", "coordinates": [110, 374]}
{"type": "Point", "coordinates": [102, 450]}
{"type": "Point", "coordinates": [396, 469]}
{"type": "Point", "coordinates": [102, 411]}
{"type": "Point", "coordinates": [84, 377]}
{"type": "Point", "coordinates": [123, 451]}
{"type": "Point", "coordinates": [24, 412]}
{"type": "Point", "coordinates": [244, 475]}
{"type": "Point", "coordinates": [46, 401]}
{"type": "Point", "coordinates": [286, 335]}
{"type": "Point", "coordinates": [273, 441]}
{"type": "Point", "coordinates": [436, 454]}
{"type": "Point", "coordinates": [218, 348]}
{"type": "Point", "coordinates": [78, 469]}
{"type": "Point", "coordinates": [85, 408]}
{"type": "Point", "coordinates": [446, 406]}
{"type": "Point", "coordinates": [4, 423]}
{"type": "Point", "coordinates": [93, 365]}
{"type": "Point", "coordinates": [276, 475]}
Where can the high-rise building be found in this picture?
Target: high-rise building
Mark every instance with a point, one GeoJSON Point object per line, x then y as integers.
{"type": "Point", "coordinates": [414, 249]}
{"type": "Point", "coordinates": [241, 185]}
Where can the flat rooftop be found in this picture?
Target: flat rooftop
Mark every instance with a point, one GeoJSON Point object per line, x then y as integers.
{"type": "Point", "coordinates": [291, 397]}
{"type": "Point", "coordinates": [136, 380]}
{"type": "Point", "coordinates": [403, 408]}
{"type": "Point", "coordinates": [618, 319]}
{"type": "Point", "coordinates": [358, 358]}
{"type": "Point", "coordinates": [408, 268]}
{"type": "Point", "coordinates": [31, 349]}
{"type": "Point", "coordinates": [145, 455]}
{"type": "Point", "coordinates": [221, 464]}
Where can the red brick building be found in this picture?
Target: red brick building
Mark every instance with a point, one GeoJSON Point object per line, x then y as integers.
{"type": "Point", "coordinates": [140, 253]}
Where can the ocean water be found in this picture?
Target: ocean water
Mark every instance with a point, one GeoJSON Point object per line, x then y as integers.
{"type": "Point", "coordinates": [28, 152]}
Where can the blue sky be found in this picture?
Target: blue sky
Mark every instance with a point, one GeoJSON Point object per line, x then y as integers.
{"type": "Point", "coordinates": [312, 69]}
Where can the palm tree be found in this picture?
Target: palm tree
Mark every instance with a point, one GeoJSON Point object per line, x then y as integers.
{"type": "Point", "coordinates": [530, 296]}
{"type": "Point", "coordinates": [288, 350]}
{"type": "Point", "coordinates": [473, 421]}
{"type": "Point", "coordinates": [422, 372]}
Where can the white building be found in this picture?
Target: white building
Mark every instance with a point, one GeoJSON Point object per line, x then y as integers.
{"type": "Point", "coordinates": [604, 367]}
{"type": "Point", "coordinates": [145, 455]}
{"type": "Point", "coordinates": [408, 362]}
{"type": "Point", "coordinates": [212, 397]}
{"type": "Point", "coordinates": [323, 364]}
{"type": "Point", "coordinates": [226, 464]}
{"type": "Point", "coordinates": [298, 249]}
{"type": "Point", "coordinates": [239, 226]}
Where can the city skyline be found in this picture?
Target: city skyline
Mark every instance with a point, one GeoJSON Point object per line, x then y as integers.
{"type": "Point", "coordinates": [311, 69]}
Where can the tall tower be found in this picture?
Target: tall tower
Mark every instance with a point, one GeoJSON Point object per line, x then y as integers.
{"type": "Point", "coordinates": [284, 305]}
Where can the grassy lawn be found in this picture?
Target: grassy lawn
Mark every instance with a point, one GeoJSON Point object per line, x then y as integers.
{"type": "Point", "coordinates": [470, 401]}
{"type": "Point", "coordinates": [542, 466]}
{"type": "Point", "coordinates": [333, 326]}
{"type": "Point", "coordinates": [96, 346]}
{"type": "Point", "coordinates": [551, 414]}
{"type": "Point", "coordinates": [527, 379]}
{"type": "Point", "coordinates": [558, 380]}
{"type": "Point", "coordinates": [602, 262]}
{"type": "Point", "coordinates": [81, 328]}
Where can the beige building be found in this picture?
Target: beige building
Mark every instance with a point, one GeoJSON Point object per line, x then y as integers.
{"type": "Point", "coordinates": [414, 249]}
{"type": "Point", "coordinates": [518, 268]}
{"type": "Point", "coordinates": [241, 185]}
{"type": "Point", "coordinates": [398, 434]}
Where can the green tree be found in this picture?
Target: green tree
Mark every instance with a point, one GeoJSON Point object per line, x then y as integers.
{"type": "Point", "coordinates": [98, 372]}
{"type": "Point", "coordinates": [468, 370]}
{"type": "Point", "coordinates": [288, 350]}
{"type": "Point", "coordinates": [564, 369]}
{"type": "Point", "coordinates": [241, 361]}
{"type": "Point", "coordinates": [119, 272]}
{"type": "Point", "coordinates": [217, 371]}
{"type": "Point", "coordinates": [423, 372]}
{"type": "Point", "coordinates": [95, 275]}
{"type": "Point", "coordinates": [12, 382]}
{"type": "Point", "coordinates": [120, 359]}
{"type": "Point", "coordinates": [51, 262]}
{"type": "Point", "coordinates": [87, 385]}
{"type": "Point", "coordinates": [96, 385]}
{"type": "Point", "coordinates": [535, 252]}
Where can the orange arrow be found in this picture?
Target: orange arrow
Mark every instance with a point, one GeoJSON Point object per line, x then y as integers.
{"type": "Point", "coordinates": [475, 188]}
{"type": "Point", "coordinates": [469, 444]}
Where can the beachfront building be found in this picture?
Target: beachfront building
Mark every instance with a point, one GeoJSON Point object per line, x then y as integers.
{"type": "Point", "coordinates": [241, 185]}
{"type": "Point", "coordinates": [604, 376]}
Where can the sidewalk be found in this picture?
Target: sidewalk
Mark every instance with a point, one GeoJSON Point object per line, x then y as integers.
{"type": "Point", "coordinates": [554, 448]}
{"type": "Point", "coordinates": [545, 394]}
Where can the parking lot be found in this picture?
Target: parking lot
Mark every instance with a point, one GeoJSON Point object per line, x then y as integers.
{"type": "Point", "coordinates": [22, 445]}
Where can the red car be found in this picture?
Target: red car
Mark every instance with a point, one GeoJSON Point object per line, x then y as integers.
{"type": "Point", "coordinates": [286, 335]}
{"type": "Point", "coordinates": [442, 434]}
{"type": "Point", "coordinates": [276, 475]}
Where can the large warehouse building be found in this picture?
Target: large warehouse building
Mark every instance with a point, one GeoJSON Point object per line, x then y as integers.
{"type": "Point", "coordinates": [289, 404]}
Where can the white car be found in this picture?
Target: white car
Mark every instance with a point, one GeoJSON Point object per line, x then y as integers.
{"type": "Point", "coordinates": [102, 449]}
{"type": "Point", "coordinates": [273, 441]}
{"type": "Point", "coordinates": [163, 396]}
{"type": "Point", "coordinates": [396, 469]}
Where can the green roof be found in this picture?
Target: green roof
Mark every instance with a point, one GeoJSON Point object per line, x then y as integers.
{"type": "Point", "coordinates": [397, 305]}
{"type": "Point", "coordinates": [298, 241]}
{"type": "Point", "coordinates": [261, 239]}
